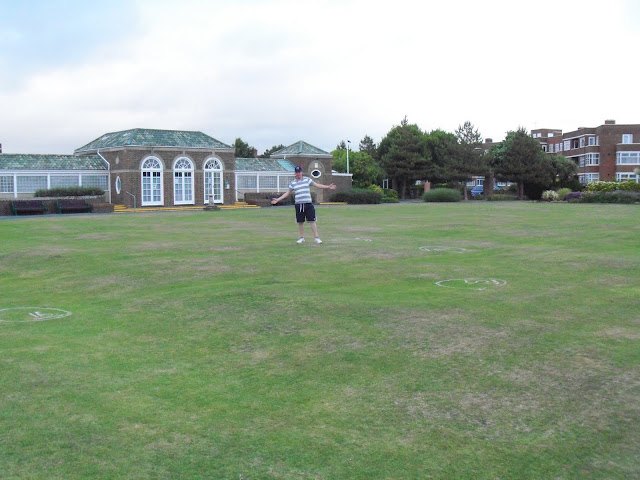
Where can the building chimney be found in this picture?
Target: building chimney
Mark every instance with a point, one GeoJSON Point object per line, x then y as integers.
{"type": "Point", "coordinates": [0, 148]}
{"type": "Point", "coordinates": [609, 122]}
{"type": "Point", "coordinates": [488, 140]}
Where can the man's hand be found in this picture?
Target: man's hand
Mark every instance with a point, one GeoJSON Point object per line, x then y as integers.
{"type": "Point", "coordinates": [274, 201]}
{"type": "Point", "coordinates": [332, 186]}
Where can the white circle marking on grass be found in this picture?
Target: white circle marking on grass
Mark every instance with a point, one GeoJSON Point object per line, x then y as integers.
{"type": "Point", "coordinates": [31, 314]}
{"type": "Point", "coordinates": [364, 239]}
{"type": "Point", "coordinates": [441, 248]}
{"type": "Point", "coordinates": [472, 283]}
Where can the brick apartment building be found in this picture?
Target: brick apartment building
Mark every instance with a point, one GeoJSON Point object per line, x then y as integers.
{"type": "Point", "coordinates": [608, 152]}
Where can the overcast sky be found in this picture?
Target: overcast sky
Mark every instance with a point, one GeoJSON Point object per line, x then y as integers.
{"type": "Point", "coordinates": [275, 72]}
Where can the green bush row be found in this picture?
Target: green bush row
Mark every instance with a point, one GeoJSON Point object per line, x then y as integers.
{"type": "Point", "coordinates": [69, 192]}
{"type": "Point", "coordinates": [619, 196]}
{"type": "Point", "coordinates": [627, 185]}
{"type": "Point", "coordinates": [357, 196]}
{"type": "Point", "coordinates": [442, 195]}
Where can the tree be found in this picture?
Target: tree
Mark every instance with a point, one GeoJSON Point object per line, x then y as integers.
{"type": "Point", "coordinates": [368, 146]}
{"type": "Point", "coordinates": [341, 146]}
{"type": "Point", "coordinates": [564, 170]}
{"type": "Point", "coordinates": [403, 155]}
{"type": "Point", "coordinates": [366, 171]}
{"type": "Point", "coordinates": [267, 153]}
{"type": "Point", "coordinates": [520, 159]}
{"type": "Point", "coordinates": [243, 150]}
{"type": "Point", "coordinates": [470, 159]}
{"type": "Point", "coordinates": [443, 150]}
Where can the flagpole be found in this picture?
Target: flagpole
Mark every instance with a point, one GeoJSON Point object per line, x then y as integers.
{"type": "Point", "coordinates": [348, 143]}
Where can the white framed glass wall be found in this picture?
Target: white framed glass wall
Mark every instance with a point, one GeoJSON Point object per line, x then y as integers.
{"type": "Point", "coordinates": [23, 184]}
{"type": "Point", "coordinates": [183, 181]}
{"type": "Point", "coordinates": [152, 189]}
{"type": "Point", "coordinates": [213, 180]}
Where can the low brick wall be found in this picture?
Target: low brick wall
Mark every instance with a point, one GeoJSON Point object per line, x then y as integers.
{"type": "Point", "coordinates": [97, 202]}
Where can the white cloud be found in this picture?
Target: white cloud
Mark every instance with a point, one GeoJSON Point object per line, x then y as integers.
{"type": "Point", "coordinates": [322, 71]}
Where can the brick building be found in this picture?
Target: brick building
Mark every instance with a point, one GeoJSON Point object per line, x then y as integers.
{"type": "Point", "coordinates": [165, 168]}
{"type": "Point", "coordinates": [608, 152]}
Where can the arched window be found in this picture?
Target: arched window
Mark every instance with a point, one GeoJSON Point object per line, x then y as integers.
{"type": "Point", "coordinates": [183, 181]}
{"type": "Point", "coordinates": [152, 192]}
{"type": "Point", "coordinates": [213, 180]}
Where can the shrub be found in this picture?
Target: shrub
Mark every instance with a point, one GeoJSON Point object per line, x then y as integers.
{"type": "Point", "coordinates": [572, 197]}
{"type": "Point", "coordinates": [563, 191]}
{"type": "Point", "coordinates": [550, 196]}
{"type": "Point", "coordinates": [389, 195]}
{"type": "Point", "coordinates": [442, 195]}
{"type": "Point", "coordinates": [357, 196]}
{"type": "Point", "coordinates": [627, 185]}
{"type": "Point", "coordinates": [618, 196]}
{"type": "Point", "coordinates": [497, 197]}
{"type": "Point", "coordinates": [69, 192]}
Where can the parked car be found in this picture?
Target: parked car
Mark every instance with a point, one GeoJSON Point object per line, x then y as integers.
{"type": "Point", "coordinates": [477, 190]}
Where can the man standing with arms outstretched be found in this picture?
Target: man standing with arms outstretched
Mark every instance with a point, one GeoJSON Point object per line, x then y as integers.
{"type": "Point", "coordinates": [304, 208]}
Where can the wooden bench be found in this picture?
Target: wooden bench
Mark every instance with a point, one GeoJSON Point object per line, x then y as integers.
{"type": "Point", "coordinates": [28, 207]}
{"type": "Point", "coordinates": [66, 205]}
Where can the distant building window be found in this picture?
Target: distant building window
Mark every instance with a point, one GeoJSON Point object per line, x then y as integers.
{"type": "Point", "coordinates": [588, 178]}
{"type": "Point", "coordinates": [100, 181]}
{"type": "Point", "coordinates": [64, 181]}
{"type": "Point", "coordinates": [567, 145]}
{"type": "Point", "coordinates": [550, 148]}
{"type": "Point", "coordinates": [627, 138]}
{"type": "Point", "coordinates": [550, 134]}
{"type": "Point", "coordinates": [623, 176]}
{"type": "Point", "coordinates": [316, 174]}
{"type": "Point", "coordinates": [31, 183]}
{"type": "Point", "coordinates": [582, 142]}
{"type": "Point", "coordinates": [592, 159]}
{"type": "Point", "coordinates": [118, 185]}
{"type": "Point", "coordinates": [268, 181]}
{"type": "Point", "coordinates": [628, 158]}
{"type": "Point", "coordinates": [6, 184]}
{"type": "Point", "coordinates": [592, 141]}
{"type": "Point", "coordinates": [152, 190]}
{"type": "Point", "coordinates": [183, 181]}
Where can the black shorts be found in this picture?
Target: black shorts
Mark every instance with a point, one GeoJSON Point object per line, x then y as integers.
{"type": "Point", "coordinates": [305, 211]}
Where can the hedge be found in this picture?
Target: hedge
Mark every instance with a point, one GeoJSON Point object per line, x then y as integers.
{"type": "Point", "coordinates": [69, 192]}
{"type": "Point", "coordinates": [442, 195]}
{"type": "Point", "coordinates": [357, 196]}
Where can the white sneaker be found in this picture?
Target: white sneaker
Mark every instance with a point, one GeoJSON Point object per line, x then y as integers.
{"type": "Point", "coordinates": [318, 241]}
{"type": "Point", "coordinates": [300, 240]}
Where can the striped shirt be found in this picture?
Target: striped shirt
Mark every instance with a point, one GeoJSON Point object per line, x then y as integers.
{"type": "Point", "coordinates": [301, 190]}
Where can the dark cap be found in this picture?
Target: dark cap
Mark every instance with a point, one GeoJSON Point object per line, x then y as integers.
{"type": "Point", "coordinates": [298, 168]}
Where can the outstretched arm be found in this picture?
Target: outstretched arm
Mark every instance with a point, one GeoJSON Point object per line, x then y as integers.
{"type": "Point", "coordinates": [281, 197]}
{"type": "Point", "coordinates": [330, 187]}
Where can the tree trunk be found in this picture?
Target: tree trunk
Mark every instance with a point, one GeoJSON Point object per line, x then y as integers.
{"type": "Point", "coordinates": [520, 190]}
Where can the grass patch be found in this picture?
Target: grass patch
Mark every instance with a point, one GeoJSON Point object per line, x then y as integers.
{"type": "Point", "coordinates": [210, 345]}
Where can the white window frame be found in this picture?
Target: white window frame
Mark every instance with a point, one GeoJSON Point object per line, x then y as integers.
{"type": "Point", "coordinates": [567, 145]}
{"type": "Point", "coordinates": [213, 180]}
{"type": "Point", "coordinates": [591, 177]}
{"type": "Point", "coordinates": [183, 181]}
{"type": "Point", "coordinates": [632, 158]}
{"type": "Point", "coordinates": [151, 167]}
{"type": "Point", "coordinates": [624, 176]}
{"type": "Point", "coordinates": [627, 138]}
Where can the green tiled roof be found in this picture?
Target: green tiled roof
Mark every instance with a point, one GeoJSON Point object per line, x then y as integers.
{"type": "Point", "coordinates": [50, 162]}
{"type": "Point", "coordinates": [300, 148]}
{"type": "Point", "coordinates": [141, 137]}
{"type": "Point", "coordinates": [263, 165]}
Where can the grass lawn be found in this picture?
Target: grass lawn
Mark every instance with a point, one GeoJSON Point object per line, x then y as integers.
{"type": "Point", "coordinates": [478, 340]}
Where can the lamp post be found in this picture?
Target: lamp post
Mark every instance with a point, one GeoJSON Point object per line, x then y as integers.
{"type": "Point", "coordinates": [348, 145]}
